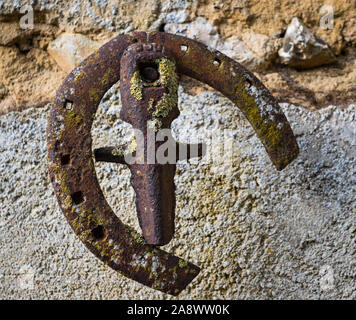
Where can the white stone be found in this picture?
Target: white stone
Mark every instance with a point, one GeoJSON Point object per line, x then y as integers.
{"type": "Point", "coordinates": [70, 49]}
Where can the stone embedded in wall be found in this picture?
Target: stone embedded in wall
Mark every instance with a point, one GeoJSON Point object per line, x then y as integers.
{"type": "Point", "coordinates": [237, 50]}
{"type": "Point", "coordinates": [68, 50]}
{"type": "Point", "coordinates": [301, 49]}
{"type": "Point", "coordinates": [262, 46]}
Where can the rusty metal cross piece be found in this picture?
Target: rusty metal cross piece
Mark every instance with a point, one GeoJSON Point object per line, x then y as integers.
{"type": "Point", "coordinates": [147, 65]}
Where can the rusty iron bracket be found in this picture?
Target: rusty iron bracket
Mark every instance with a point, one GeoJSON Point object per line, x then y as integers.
{"type": "Point", "coordinates": [147, 65]}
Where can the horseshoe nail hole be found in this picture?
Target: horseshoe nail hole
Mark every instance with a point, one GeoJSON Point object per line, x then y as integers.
{"type": "Point", "coordinates": [149, 72]}
{"type": "Point", "coordinates": [77, 197]}
{"type": "Point", "coordinates": [248, 83]}
{"type": "Point", "coordinates": [65, 159]}
{"type": "Point", "coordinates": [161, 27]}
{"type": "Point", "coordinates": [184, 48]}
{"type": "Point", "coordinates": [216, 62]}
{"type": "Point", "coordinates": [98, 232]}
{"type": "Point", "coordinates": [68, 105]}
{"type": "Point", "coordinates": [56, 145]}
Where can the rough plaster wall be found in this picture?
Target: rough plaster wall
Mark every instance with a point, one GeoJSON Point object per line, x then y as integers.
{"type": "Point", "coordinates": [256, 233]}
{"type": "Point", "coordinates": [249, 31]}
{"type": "Point", "coordinates": [261, 234]}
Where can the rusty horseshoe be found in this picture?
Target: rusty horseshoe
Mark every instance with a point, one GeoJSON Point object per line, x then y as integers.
{"type": "Point", "coordinates": [147, 65]}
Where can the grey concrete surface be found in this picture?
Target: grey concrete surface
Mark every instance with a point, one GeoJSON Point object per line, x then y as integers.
{"type": "Point", "coordinates": [256, 233]}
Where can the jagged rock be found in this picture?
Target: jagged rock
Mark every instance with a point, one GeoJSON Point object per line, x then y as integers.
{"type": "Point", "coordinates": [301, 49]}
{"type": "Point", "coordinates": [68, 50]}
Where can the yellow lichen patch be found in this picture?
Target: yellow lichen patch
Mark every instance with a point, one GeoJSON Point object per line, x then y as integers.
{"type": "Point", "coordinates": [72, 118]}
{"type": "Point", "coordinates": [79, 76]}
{"type": "Point", "coordinates": [182, 263]}
{"type": "Point", "coordinates": [76, 225]}
{"type": "Point", "coordinates": [106, 77]}
{"type": "Point", "coordinates": [132, 146]}
{"type": "Point", "coordinates": [83, 236]}
{"type": "Point", "coordinates": [135, 236]}
{"type": "Point", "coordinates": [136, 86]}
{"type": "Point", "coordinates": [94, 94]}
{"type": "Point", "coordinates": [121, 151]}
{"type": "Point", "coordinates": [89, 61]}
{"type": "Point", "coordinates": [60, 178]}
{"type": "Point", "coordinates": [154, 124]}
{"type": "Point", "coordinates": [169, 79]}
{"type": "Point", "coordinates": [60, 175]}
{"type": "Point", "coordinates": [150, 103]}
{"type": "Point", "coordinates": [103, 248]}
{"type": "Point", "coordinates": [266, 130]}
{"type": "Point", "coordinates": [67, 202]}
